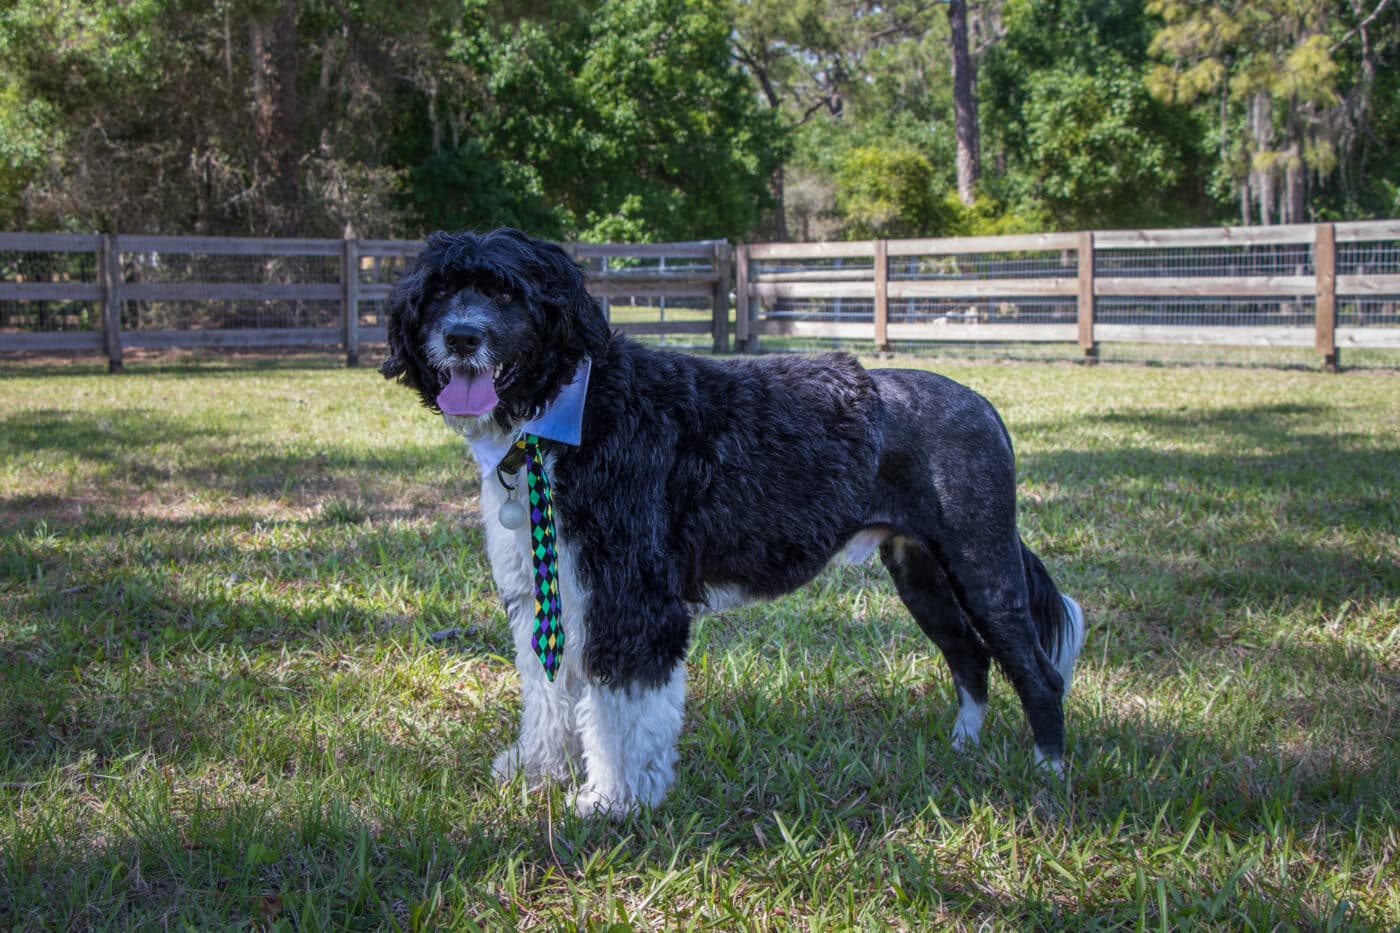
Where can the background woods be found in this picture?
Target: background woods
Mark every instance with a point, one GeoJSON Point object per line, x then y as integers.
{"type": "Point", "coordinates": [681, 119]}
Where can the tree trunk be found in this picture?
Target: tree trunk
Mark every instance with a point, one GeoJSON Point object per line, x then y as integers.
{"type": "Point", "coordinates": [964, 103]}
{"type": "Point", "coordinates": [276, 113]}
{"type": "Point", "coordinates": [285, 63]}
{"type": "Point", "coordinates": [1293, 206]}
{"type": "Point", "coordinates": [780, 229]}
{"type": "Point", "coordinates": [1261, 113]}
{"type": "Point", "coordinates": [1295, 185]}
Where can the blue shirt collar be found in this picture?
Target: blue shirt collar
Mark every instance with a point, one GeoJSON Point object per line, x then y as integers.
{"type": "Point", "coordinates": [561, 421]}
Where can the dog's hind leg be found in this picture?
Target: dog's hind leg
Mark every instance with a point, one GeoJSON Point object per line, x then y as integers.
{"type": "Point", "coordinates": [990, 585]}
{"type": "Point", "coordinates": [923, 586]}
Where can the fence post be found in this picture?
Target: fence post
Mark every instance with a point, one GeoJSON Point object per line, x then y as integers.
{"type": "Point", "coordinates": [882, 296]}
{"type": "Point", "coordinates": [1086, 297]}
{"type": "Point", "coordinates": [719, 305]}
{"type": "Point", "coordinates": [1325, 306]}
{"type": "Point", "coordinates": [744, 338]}
{"type": "Point", "coordinates": [350, 299]}
{"type": "Point", "coordinates": [109, 273]}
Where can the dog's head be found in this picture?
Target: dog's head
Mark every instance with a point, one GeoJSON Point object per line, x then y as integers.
{"type": "Point", "coordinates": [503, 317]}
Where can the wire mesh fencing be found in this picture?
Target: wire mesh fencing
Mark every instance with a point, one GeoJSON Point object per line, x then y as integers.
{"type": "Point", "coordinates": [1296, 295]}
{"type": "Point", "coordinates": [93, 293]}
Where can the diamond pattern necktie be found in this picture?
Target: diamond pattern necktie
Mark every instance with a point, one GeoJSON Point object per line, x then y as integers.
{"type": "Point", "coordinates": [547, 640]}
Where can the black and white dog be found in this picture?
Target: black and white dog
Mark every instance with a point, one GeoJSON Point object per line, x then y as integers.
{"type": "Point", "coordinates": [681, 483]}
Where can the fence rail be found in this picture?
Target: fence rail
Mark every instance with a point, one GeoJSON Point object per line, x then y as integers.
{"type": "Point", "coordinates": [1255, 286]}
{"type": "Point", "coordinates": [107, 293]}
{"type": "Point", "coordinates": [1323, 286]}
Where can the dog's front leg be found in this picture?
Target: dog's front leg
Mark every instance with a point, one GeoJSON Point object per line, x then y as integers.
{"type": "Point", "coordinates": [548, 744]}
{"type": "Point", "coordinates": [629, 744]}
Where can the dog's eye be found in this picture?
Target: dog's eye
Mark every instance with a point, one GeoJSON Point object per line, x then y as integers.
{"type": "Point", "coordinates": [442, 293]}
{"type": "Point", "coordinates": [504, 298]}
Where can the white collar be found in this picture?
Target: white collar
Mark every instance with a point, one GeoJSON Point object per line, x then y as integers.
{"type": "Point", "coordinates": [561, 421]}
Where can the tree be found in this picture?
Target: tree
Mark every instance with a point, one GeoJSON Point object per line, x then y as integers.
{"type": "Point", "coordinates": [964, 103]}
{"type": "Point", "coordinates": [1273, 68]}
{"type": "Point", "coordinates": [1077, 139]}
{"type": "Point", "coordinates": [634, 122]}
{"type": "Point", "coordinates": [809, 59]}
{"type": "Point", "coordinates": [888, 192]}
{"type": "Point", "coordinates": [323, 117]}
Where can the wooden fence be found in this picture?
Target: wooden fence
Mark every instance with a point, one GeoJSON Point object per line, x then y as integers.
{"type": "Point", "coordinates": [1254, 286]}
{"type": "Point", "coordinates": [95, 281]}
{"type": "Point", "coordinates": [1320, 286]}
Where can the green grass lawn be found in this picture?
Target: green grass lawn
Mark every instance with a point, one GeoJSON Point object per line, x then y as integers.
{"type": "Point", "coordinates": [221, 703]}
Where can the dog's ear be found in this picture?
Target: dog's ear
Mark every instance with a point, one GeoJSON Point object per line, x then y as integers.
{"type": "Point", "coordinates": [405, 362]}
{"type": "Point", "coordinates": [576, 318]}
{"type": "Point", "coordinates": [402, 314]}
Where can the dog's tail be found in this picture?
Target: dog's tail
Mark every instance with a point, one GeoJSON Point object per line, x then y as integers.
{"type": "Point", "coordinates": [1059, 620]}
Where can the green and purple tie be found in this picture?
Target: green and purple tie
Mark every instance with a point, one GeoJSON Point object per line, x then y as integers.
{"type": "Point", "coordinates": [547, 641]}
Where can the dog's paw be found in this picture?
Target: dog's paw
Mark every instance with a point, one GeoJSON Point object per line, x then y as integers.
{"type": "Point", "coordinates": [507, 765]}
{"type": "Point", "coordinates": [512, 762]}
{"type": "Point", "coordinates": [968, 725]}
{"type": "Point", "coordinates": [590, 802]}
{"type": "Point", "coordinates": [1050, 764]}
{"type": "Point", "coordinates": [963, 740]}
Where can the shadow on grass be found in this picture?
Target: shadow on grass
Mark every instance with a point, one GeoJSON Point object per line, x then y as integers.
{"type": "Point", "coordinates": [848, 757]}
{"type": "Point", "coordinates": [804, 792]}
{"type": "Point", "coordinates": [175, 363]}
{"type": "Point", "coordinates": [1276, 508]}
{"type": "Point", "coordinates": [151, 463]}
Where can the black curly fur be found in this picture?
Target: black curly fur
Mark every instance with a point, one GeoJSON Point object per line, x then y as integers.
{"type": "Point", "coordinates": [567, 323]}
{"type": "Point", "coordinates": [697, 474]}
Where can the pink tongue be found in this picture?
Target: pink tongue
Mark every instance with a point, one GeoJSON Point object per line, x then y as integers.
{"type": "Point", "coordinates": [468, 393]}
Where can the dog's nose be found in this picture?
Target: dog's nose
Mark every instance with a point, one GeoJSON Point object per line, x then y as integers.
{"type": "Point", "coordinates": [464, 339]}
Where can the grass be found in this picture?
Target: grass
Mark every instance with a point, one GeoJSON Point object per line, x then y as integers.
{"type": "Point", "coordinates": [227, 698]}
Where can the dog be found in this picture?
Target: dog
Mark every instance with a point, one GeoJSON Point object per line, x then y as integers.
{"type": "Point", "coordinates": [680, 483]}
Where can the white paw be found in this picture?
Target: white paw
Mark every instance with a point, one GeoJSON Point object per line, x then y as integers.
{"type": "Point", "coordinates": [590, 802]}
{"type": "Point", "coordinates": [1055, 765]}
{"type": "Point", "coordinates": [511, 762]}
{"type": "Point", "coordinates": [962, 739]}
{"type": "Point", "coordinates": [968, 725]}
{"type": "Point", "coordinates": [507, 765]}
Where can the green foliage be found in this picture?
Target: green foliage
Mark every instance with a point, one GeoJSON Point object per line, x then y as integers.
{"type": "Point", "coordinates": [1085, 145]}
{"type": "Point", "coordinates": [1087, 159]}
{"type": "Point", "coordinates": [889, 192]}
{"type": "Point", "coordinates": [655, 119]}
{"type": "Point", "coordinates": [565, 118]}
{"type": "Point", "coordinates": [676, 139]}
{"type": "Point", "coordinates": [989, 217]}
{"type": "Point", "coordinates": [1282, 82]}
{"type": "Point", "coordinates": [464, 187]}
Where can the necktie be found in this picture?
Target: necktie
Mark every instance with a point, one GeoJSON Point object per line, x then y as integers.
{"type": "Point", "coordinates": [547, 640]}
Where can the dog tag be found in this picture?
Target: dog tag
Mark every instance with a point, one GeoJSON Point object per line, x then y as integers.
{"type": "Point", "coordinates": [512, 514]}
